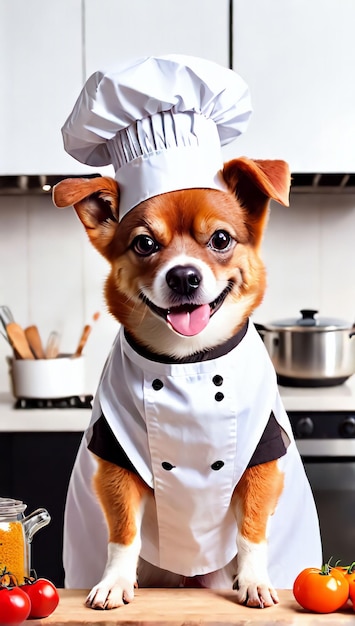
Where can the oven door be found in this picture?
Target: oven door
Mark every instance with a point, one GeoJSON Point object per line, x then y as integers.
{"type": "Point", "coordinates": [330, 467]}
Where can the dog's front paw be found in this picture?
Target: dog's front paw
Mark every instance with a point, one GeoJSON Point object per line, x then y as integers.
{"type": "Point", "coordinates": [255, 593]}
{"type": "Point", "coordinates": [116, 589]}
{"type": "Point", "coordinates": [252, 583]}
{"type": "Point", "coordinates": [110, 594]}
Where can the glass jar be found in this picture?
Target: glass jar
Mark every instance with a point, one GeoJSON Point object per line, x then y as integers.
{"type": "Point", "coordinates": [16, 533]}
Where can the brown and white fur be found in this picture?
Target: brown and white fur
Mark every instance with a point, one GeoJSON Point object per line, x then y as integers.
{"type": "Point", "coordinates": [182, 227]}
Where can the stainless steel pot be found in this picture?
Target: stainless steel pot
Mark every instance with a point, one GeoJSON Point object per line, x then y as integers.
{"type": "Point", "coordinates": [310, 351]}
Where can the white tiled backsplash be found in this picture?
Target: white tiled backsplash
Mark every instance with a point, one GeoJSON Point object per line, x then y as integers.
{"type": "Point", "coordinates": [51, 276]}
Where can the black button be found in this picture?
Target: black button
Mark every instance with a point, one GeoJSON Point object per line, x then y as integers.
{"type": "Point", "coordinates": [167, 466]}
{"type": "Point", "coordinates": [157, 384]}
{"type": "Point", "coordinates": [217, 380]}
{"type": "Point", "coordinates": [217, 465]}
{"type": "Point", "coordinates": [219, 396]}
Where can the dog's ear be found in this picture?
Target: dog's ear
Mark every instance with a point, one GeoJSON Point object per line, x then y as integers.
{"type": "Point", "coordinates": [95, 201]}
{"type": "Point", "coordinates": [255, 183]}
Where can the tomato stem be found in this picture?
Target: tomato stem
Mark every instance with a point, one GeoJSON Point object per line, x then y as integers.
{"type": "Point", "coordinates": [348, 569]}
{"type": "Point", "coordinates": [325, 570]}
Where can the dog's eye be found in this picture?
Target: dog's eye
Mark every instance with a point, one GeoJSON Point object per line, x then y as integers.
{"type": "Point", "coordinates": [144, 245]}
{"type": "Point", "coordinates": [220, 240]}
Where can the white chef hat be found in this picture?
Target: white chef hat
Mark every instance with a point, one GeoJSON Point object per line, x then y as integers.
{"type": "Point", "coordinates": [160, 122]}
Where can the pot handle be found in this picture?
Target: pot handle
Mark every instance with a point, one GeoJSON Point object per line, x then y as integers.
{"type": "Point", "coordinates": [352, 332]}
{"type": "Point", "coordinates": [261, 330]}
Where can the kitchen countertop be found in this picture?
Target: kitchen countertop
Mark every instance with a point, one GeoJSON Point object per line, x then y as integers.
{"type": "Point", "coordinates": [40, 420]}
{"type": "Point", "coordinates": [192, 607]}
{"type": "Point", "coordinates": [339, 398]}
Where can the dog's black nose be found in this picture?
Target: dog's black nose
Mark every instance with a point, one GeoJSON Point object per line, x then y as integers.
{"type": "Point", "coordinates": [184, 279]}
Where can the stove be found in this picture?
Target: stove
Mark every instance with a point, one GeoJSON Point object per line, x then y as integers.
{"type": "Point", "coordinates": [323, 423]}
{"type": "Point", "coordinates": [72, 402]}
{"type": "Point", "coordinates": [324, 433]}
{"type": "Point", "coordinates": [322, 418]}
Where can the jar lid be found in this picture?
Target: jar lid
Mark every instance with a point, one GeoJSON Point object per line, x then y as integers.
{"type": "Point", "coordinates": [10, 507]}
{"type": "Point", "coordinates": [308, 322]}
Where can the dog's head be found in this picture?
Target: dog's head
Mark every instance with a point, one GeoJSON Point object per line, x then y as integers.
{"type": "Point", "coordinates": [185, 266]}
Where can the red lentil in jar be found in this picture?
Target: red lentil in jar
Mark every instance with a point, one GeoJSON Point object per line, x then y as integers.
{"type": "Point", "coordinates": [13, 549]}
{"type": "Point", "coordinates": [16, 534]}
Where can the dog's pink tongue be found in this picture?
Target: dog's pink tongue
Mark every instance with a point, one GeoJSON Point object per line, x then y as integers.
{"type": "Point", "coordinates": [189, 323]}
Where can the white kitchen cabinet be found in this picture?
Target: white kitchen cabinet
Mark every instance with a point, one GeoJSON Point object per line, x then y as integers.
{"type": "Point", "coordinates": [298, 57]}
{"type": "Point", "coordinates": [119, 30]}
{"type": "Point", "coordinates": [41, 66]}
{"type": "Point", "coordinates": [49, 48]}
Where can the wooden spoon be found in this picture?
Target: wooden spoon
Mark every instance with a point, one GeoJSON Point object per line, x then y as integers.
{"type": "Point", "coordinates": [83, 339]}
{"type": "Point", "coordinates": [84, 336]}
{"type": "Point", "coordinates": [18, 340]}
{"type": "Point", "coordinates": [34, 340]}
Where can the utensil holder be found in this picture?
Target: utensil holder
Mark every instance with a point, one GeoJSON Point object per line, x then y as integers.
{"type": "Point", "coordinates": [61, 377]}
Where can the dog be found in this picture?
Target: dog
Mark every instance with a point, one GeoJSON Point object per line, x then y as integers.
{"type": "Point", "coordinates": [185, 276]}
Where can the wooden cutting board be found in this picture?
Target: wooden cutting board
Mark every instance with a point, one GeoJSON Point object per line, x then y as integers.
{"type": "Point", "coordinates": [188, 607]}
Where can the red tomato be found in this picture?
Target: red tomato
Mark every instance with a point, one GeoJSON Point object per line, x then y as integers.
{"type": "Point", "coordinates": [352, 595]}
{"type": "Point", "coordinates": [350, 577]}
{"type": "Point", "coordinates": [322, 591]}
{"type": "Point", "coordinates": [43, 596]}
{"type": "Point", "coordinates": [351, 580]}
{"type": "Point", "coordinates": [349, 574]}
{"type": "Point", "coordinates": [15, 605]}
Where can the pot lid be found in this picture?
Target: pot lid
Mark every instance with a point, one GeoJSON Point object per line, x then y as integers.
{"type": "Point", "coordinates": [308, 322]}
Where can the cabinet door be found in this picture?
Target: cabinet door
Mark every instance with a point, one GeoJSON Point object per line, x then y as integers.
{"type": "Point", "coordinates": [46, 54]}
{"type": "Point", "coordinates": [38, 468]}
{"type": "Point", "coordinates": [118, 31]}
{"type": "Point", "coordinates": [298, 58]}
{"type": "Point", "coordinates": [41, 74]}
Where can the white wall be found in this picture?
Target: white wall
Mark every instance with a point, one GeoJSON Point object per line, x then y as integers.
{"type": "Point", "coordinates": [51, 276]}
{"type": "Point", "coordinates": [309, 251]}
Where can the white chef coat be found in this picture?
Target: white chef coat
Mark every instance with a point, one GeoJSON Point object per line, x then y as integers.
{"type": "Point", "coordinates": [190, 430]}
